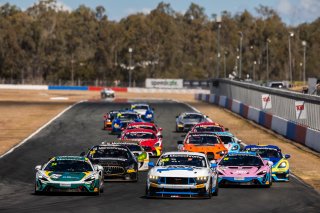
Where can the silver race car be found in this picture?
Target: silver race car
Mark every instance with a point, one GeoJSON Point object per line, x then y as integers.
{"type": "Point", "coordinates": [186, 120]}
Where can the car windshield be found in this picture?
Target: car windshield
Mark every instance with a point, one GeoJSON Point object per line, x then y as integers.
{"type": "Point", "coordinates": [202, 139]}
{"type": "Point", "coordinates": [208, 129]}
{"type": "Point", "coordinates": [241, 160]}
{"type": "Point", "coordinates": [193, 117]}
{"type": "Point", "coordinates": [182, 160]}
{"type": "Point", "coordinates": [142, 127]}
{"type": "Point", "coordinates": [128, 116]}
{"type": "Point", "coordinates": [139, 135]}
{"type": "Point", "coordinates": [227, 139]}
{"type": "Point", "coordinates": [134, 147]}
{"type": "Point", "coordinates": [140, 107]}
{"type": "Point", "coordinates": [108, 152]}
{"type": "Point", "coordinates": [68, 166]}
{"type": "Point", "coordinates": [268, 153]}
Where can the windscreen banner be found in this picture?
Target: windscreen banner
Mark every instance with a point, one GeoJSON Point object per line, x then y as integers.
{"type": "Point", "coordinates": [164, 83]}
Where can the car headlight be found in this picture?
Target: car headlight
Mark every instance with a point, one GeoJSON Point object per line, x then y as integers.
{"type": "Point", "coordinates": [89, 179]}
{"type": "Point", "coordinates": [262, 172]}
{"type": "Point", "coordinates": [153, 179]}
{"type": "Point", "coordinates": [202, 179]}
{"type": "Point", "coordinates": [221, 153]}
{"type": "Point", "coordinates": [43, 178]}
{"type": "Point", "coordinates": [235, 147]}
{"type": "Point", "coordinates": [282, 165]}
{"type": "Point", "coordinates": [149, 116]}
{"type": "Point", "coordinates": [116, 125]}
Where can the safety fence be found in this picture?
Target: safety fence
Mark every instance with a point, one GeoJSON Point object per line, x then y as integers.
{"type": "Point", "coordinates": [291, 130]}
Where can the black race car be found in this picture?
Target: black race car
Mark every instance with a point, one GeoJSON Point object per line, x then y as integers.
{"type": "Point", "coordinates": [118, 162]}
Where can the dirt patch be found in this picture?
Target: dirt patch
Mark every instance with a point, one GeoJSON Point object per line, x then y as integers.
{"type": "Point", "coordinates": [23, 112]}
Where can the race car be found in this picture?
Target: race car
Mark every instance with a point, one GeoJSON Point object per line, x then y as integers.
{"type": "Point", "coordinates": [144, 110]}
{"type": "Point", "coordinates": [280, 167]}
{"type": "Point", "coordinates": [123, 119]}
{"type": "Point", "coordinates": [146, 125]}
{"type": "Point", "coordinates": [204, 142]}
{"type": "Point", "coordinates": [186, 120]}
{"type": "Point", "coordinates": [148, 139]}
{"type": "Point", "coordinates": [138, 151]}
{"type": "Point", "coordinates": [69, 174]}
{"type": "Point", "coordinates": [208, 127]}
{"type": "Point", "coordinates": [182, 175]}
{"type": "Point", "coordinates": [244, 168]}
{"type": "Point", "coordinates": [118, 162]}
{"type": "Point", "coordinates": [108, 118]}
{"type": "Point", "coordinates": [229, 141]}
{"type": "Point", "coordinates": [107, 93]}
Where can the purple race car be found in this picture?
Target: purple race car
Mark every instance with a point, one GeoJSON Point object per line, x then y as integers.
{"type": "Point", "coordinates": [244, 168]}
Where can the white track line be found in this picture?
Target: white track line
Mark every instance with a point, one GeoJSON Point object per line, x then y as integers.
{"type": "Point", "coordinates": [37, 131]}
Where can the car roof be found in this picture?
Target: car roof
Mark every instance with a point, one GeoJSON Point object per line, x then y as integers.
{"type": "Point", "coordinates": [139, 104]}
{"type": "Point", "coordinates": [141, 124]}
{"type": "Point", "coordinates": [188, 113]}
{"type": "Point", "coordinates": [208, 124]}
{"type": "Point", "coordinates": [242, 153]}
{"type": "Point", "coordinates": [187, 153]}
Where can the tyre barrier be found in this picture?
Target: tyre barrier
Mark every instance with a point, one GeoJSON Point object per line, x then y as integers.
{"type": "Point", "coordinates": [293, 131]}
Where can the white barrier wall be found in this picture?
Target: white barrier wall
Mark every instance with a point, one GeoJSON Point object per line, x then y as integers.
{"type": "Point", "coordinates": [155, 90]}
{"type": "Point", "coordinates": [222, 101]}
{"type": "Point", "coordinates": [253, 114]}
{"type": "Point", "coordinates": [313, 139]}
{"type": "Point", "coordinates": [279, 125]}
{"type": "Point", "coordinates": [235, 106]}
{"type": "Point", "coordinates": [23, 87]}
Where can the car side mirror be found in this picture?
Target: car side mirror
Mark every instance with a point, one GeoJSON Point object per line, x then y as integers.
{"type": "Point", "coordinates": [287, 156]}
{"type": "Point", "coordinates": [151, 164]}
{"type": "Point", "coordinates": [38, 167]}
{"type": "Point", "coordinates": [160, 136]}
{"type": "Point", "coordinates": [160, 129]}
{"type": "Point", "coordinates": [213, 165]}
{"type": "Point", "coordinates": [227, 129]}
{"type": "Point", "coordinates": [82, 154]}
{"type": "Point", "coordinates": [270, 163]}
{"type": "Point", "coordinates": [180, 142]}
{"type": "Point", "coordinates": [98, 167]}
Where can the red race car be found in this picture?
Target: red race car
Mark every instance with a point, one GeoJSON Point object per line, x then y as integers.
{"type": "Point", "coordinates": [146, 125]}
{"type": "Point", "coordinates": [147, 138]}
{"type": "Point", "coordinates": [208, 127]}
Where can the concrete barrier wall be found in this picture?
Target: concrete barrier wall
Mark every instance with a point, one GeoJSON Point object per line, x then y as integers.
{"type": "Point", "coordinates": [23, 87]}
{"type": "Point", "coordinates": [291, 130]}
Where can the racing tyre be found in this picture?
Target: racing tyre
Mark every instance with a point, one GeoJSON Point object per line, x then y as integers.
{"type": "Point", "coordinates": [209, 192]}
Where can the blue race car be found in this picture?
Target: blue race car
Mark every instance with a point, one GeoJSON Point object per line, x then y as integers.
{"type": "Point", "coordinates": [122, 120]}
{"type": "Point", "coordinates": [229, 141]}
{"type": "Point", "coordinates": [280, 168]}
{"type": "Point", "coordinates": [145, 111]}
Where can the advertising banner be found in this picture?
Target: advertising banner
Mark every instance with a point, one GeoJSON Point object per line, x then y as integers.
{"type": "Point", "coordinates": [301, 111]}
{"type": "Point", "coordinates": [164, 83]}
{"type": "Point", "coordinates": [266, 101]}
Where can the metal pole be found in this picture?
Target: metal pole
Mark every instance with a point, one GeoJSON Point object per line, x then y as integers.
{"type": "Point", "coordinates": [253, 71]}
{"type": "Point", "coordinates": [130, 65]}
{"type": "Point", "coordinates": [267, 61]}
{"type": "Point", "coordinates": [304, 43]}
{"type": "Point", "coordinates": [224, 65]}
{"type": "Point", "coordinates": [72, 73]}
{"type": "Point", "coordinates": [218, 54]}
{"type": "Point", "coordinates": [240, 62]}
{"type": "Point", "coordinates": [290, 63]}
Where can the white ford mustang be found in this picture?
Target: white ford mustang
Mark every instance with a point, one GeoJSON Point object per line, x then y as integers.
{"type": "Point", "coordinates": [182, 174]}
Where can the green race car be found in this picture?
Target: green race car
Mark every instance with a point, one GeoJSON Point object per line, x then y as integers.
{"type": "Point", "coordinates": [69, 174]}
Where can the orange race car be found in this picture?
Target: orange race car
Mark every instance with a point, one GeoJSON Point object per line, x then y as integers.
{"type": "Point", "coordinates": [208, 127]}
{"type": "Point", "coordinates": [204, 142]}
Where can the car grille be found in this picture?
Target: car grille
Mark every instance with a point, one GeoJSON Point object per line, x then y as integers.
{"type": "Point", "coordinates": [281, 176]}
{"type": "Point", "coordinates": [113, 170]}
{"type": "Point", "coordinates": [177, 180]}
{"type": "Point", "coordinates": [188, 126]}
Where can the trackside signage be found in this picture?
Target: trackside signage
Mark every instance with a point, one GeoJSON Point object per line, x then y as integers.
{"type": "Point", "coordinates": [164, 83]}
{"type": "Point", "coordinates": [301, 111]}
{"type": "Point", "coordinates": [266, 101]}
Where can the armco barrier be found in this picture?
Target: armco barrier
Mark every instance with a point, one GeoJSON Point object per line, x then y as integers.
{"type": "Point", "coordinates": [288, 129]}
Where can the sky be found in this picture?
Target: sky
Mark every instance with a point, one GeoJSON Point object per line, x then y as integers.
{"type": "Point", "coordinates": [292, 12]}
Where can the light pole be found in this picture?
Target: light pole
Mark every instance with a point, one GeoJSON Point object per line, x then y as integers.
{"type": "Point", "coordinates": [240, 62]}
{"type": "Point", "coordinates": [268, 41]}
{"type": "Point", "coordinates": [304, 44]}
{"type": "Point", "coordinates": [224, 63]}
{"type": "Point", "coordinates": [72, 71]}
{"type": "Point", "coordinates": [130, 66]}
{"type": "Point", "coordinates": [291, 34]}
{"type": "Point", "coordinates": [254, 71]}
{"type": "Point", "coordinates": [218, 20]}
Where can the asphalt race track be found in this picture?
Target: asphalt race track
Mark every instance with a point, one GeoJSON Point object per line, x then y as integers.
{"type": "Point", "coordinates": [81, 127]}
